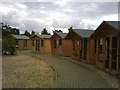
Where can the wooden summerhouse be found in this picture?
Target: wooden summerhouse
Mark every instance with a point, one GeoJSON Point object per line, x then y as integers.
{"type": "Point", "coordinates": [107, 36]}
{"type": "Point", "coordinates": [83, 46]}
{"type": "Point", "coordinates": [20, 41]}
{"type": "Point", "coordinates": [41, 43]}
{"type": "Point", "coordinates": [61, 46]}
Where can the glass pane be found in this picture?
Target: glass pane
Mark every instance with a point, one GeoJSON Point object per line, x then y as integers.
{"type": "Point", "coordinates": [107, 63]}
{"type": "Point", "coordinates": [114, 54]}
{"type": "Point", "coordinates": [114, 65]}
{"type": "Point", "coordinates": [114, 42]}
{"type": "Point", "coordinates": [80, 54]}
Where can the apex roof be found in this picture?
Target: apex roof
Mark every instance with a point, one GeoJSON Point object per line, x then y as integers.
{"type": "Point", "coordinates": [85, 33]}
{"type": "Point", "coordinates": [45, 36]}
{"type": "Point", "coordinates": [115, 24]}
{"type": "Point", "coordinates": [62, 35]}
{"type": "Point", "coordinates": [20, 37]}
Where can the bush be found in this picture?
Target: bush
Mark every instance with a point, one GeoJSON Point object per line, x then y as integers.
{"type": "Point", "coordinates": [8, 46]}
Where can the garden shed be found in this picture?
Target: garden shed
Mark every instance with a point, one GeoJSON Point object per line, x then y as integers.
{"type": "Point", "coordinates": [108, 46]}
{"type": "Point", "coordinates": [83, 45]}
{"type": "Point", "coordinates": [61, 46]}
{"type": "Point", "coordinates": [20, 41]}
{"type": "Point", "coordinates": [41, 43]}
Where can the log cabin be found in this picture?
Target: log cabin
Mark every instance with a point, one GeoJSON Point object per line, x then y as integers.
{"type": "Point", "coordinates": [41, 43]}
{"type": "Point", "coordinates": [61, 46]}
{"type": "Point", "coordinates": [20, 41]}
{"type": "Point", "coordinates": [107, 36]}
{"type": "Point", "coordinates": [83, 45]}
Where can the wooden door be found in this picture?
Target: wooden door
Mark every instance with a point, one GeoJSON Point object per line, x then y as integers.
{"type": "Point", "coordinates": [76, 49]}
{"type": "Point", "coordinates": [85, 50]}
{"type": "Point", "coordinates": [101, 52]}
{"type": "Point", "coordinates": [37, 45]}
{"type": "Point", "coordinates": [107, 60]}
{"type": "Point", "coordinates": [114, 53]}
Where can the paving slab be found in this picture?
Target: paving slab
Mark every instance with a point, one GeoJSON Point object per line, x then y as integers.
{"type": "Point", "coordinates": [73, 75]}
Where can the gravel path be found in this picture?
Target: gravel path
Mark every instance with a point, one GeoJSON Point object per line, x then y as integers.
{"type": "Point", "coordinates": [23, 71]}
{"type": "Point", "coordinates": [72, 75]}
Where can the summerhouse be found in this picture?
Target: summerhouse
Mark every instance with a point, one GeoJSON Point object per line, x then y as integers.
{"type": "Point", "coordinates": [82, 45]}
{"type": "Point", "coordinates": [41, 43]}
{"type": "Point", "coordinates": [107, 36]}
{"type": "Point", "coordinates": [61, 46]}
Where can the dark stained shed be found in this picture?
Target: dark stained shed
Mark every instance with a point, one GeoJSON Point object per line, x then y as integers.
{"type": "Point", "coordinates": [106, 26]}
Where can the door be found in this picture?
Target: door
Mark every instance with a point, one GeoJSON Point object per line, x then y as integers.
{"type": "Point", "coordinates": [85, 50]}
{"type": "Point", "coordinates": [81, 50]}
{"type": "Point", "coordinates": [37, 45]}
{"type": "Point", "coordinates": [114, 53]}
{"type": "Point", "coordinates": [101, 48]}
{"type": "Point", "coordinates": [76, 49]}
{"type": "Point", "coordinates": [107, 60]}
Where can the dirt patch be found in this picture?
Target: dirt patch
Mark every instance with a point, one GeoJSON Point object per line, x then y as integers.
{"type": "Point", "coordinates": [23, 71]}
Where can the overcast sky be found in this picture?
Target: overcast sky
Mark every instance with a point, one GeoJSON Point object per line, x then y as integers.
{"type": "Point", "coordinates": [57, 15]}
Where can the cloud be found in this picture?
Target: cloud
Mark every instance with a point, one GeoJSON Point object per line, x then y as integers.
{"type": "Point", "coordinates": [38, 15]}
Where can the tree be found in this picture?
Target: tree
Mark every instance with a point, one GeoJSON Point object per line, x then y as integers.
{"type": "Point", "coordinates": [17, 32]}
{"type": "Point", "coordinates": [7, 30]}
{"type": "Point", "coordinates": [45, 32]}
{"type": "Point", "coordinates": [27, 33]}
{"type": "Point", "coordinates": [33, 32]}
{"type": "Point", "coordinates": [60, 31]}
{"type": "Point", "coordinates": [70, 28]}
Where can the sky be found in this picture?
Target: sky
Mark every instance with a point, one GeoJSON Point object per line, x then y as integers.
{"type": "Point", "coordinates": [57, 15]}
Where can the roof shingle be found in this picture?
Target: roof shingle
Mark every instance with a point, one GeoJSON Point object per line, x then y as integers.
{"type": "Point", "coordinates": [62, 35]}
{"type": "Point", "coordinates": [85, 33]}
{"type": "Point", "coordinates": [115, 24]}
{"type": "Point", "coordinates": [20, 37]}
{"type": "Point", "coordinates": [45, 36]}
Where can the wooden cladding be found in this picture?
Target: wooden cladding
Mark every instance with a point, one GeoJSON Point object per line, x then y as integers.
{"type": "Point", "coordinates": [42, 43]}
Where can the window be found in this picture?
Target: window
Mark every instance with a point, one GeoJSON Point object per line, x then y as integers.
{"type": "Point", "coordinates": [114, 53]}
{"type": "Point", "coordinates": [42, 43]}
{"type": "Point", "coordinates": [114, 65]}
{"type": "Point", "coordinates": [55, 43]}
{"type": "Point", "coordinates": [32, 42]}
{"type": "Point", "coordinates": [78, 42]}
{"type": "Point", "coordinates": [114, 42]}
{"type": "Point", "coordinates": [100, 42]}
{"type": "Point", "coordinates": [60, 41]}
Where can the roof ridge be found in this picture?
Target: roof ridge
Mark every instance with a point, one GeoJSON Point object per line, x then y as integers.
{"type": "Point", "coordinates": [84, 29]}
